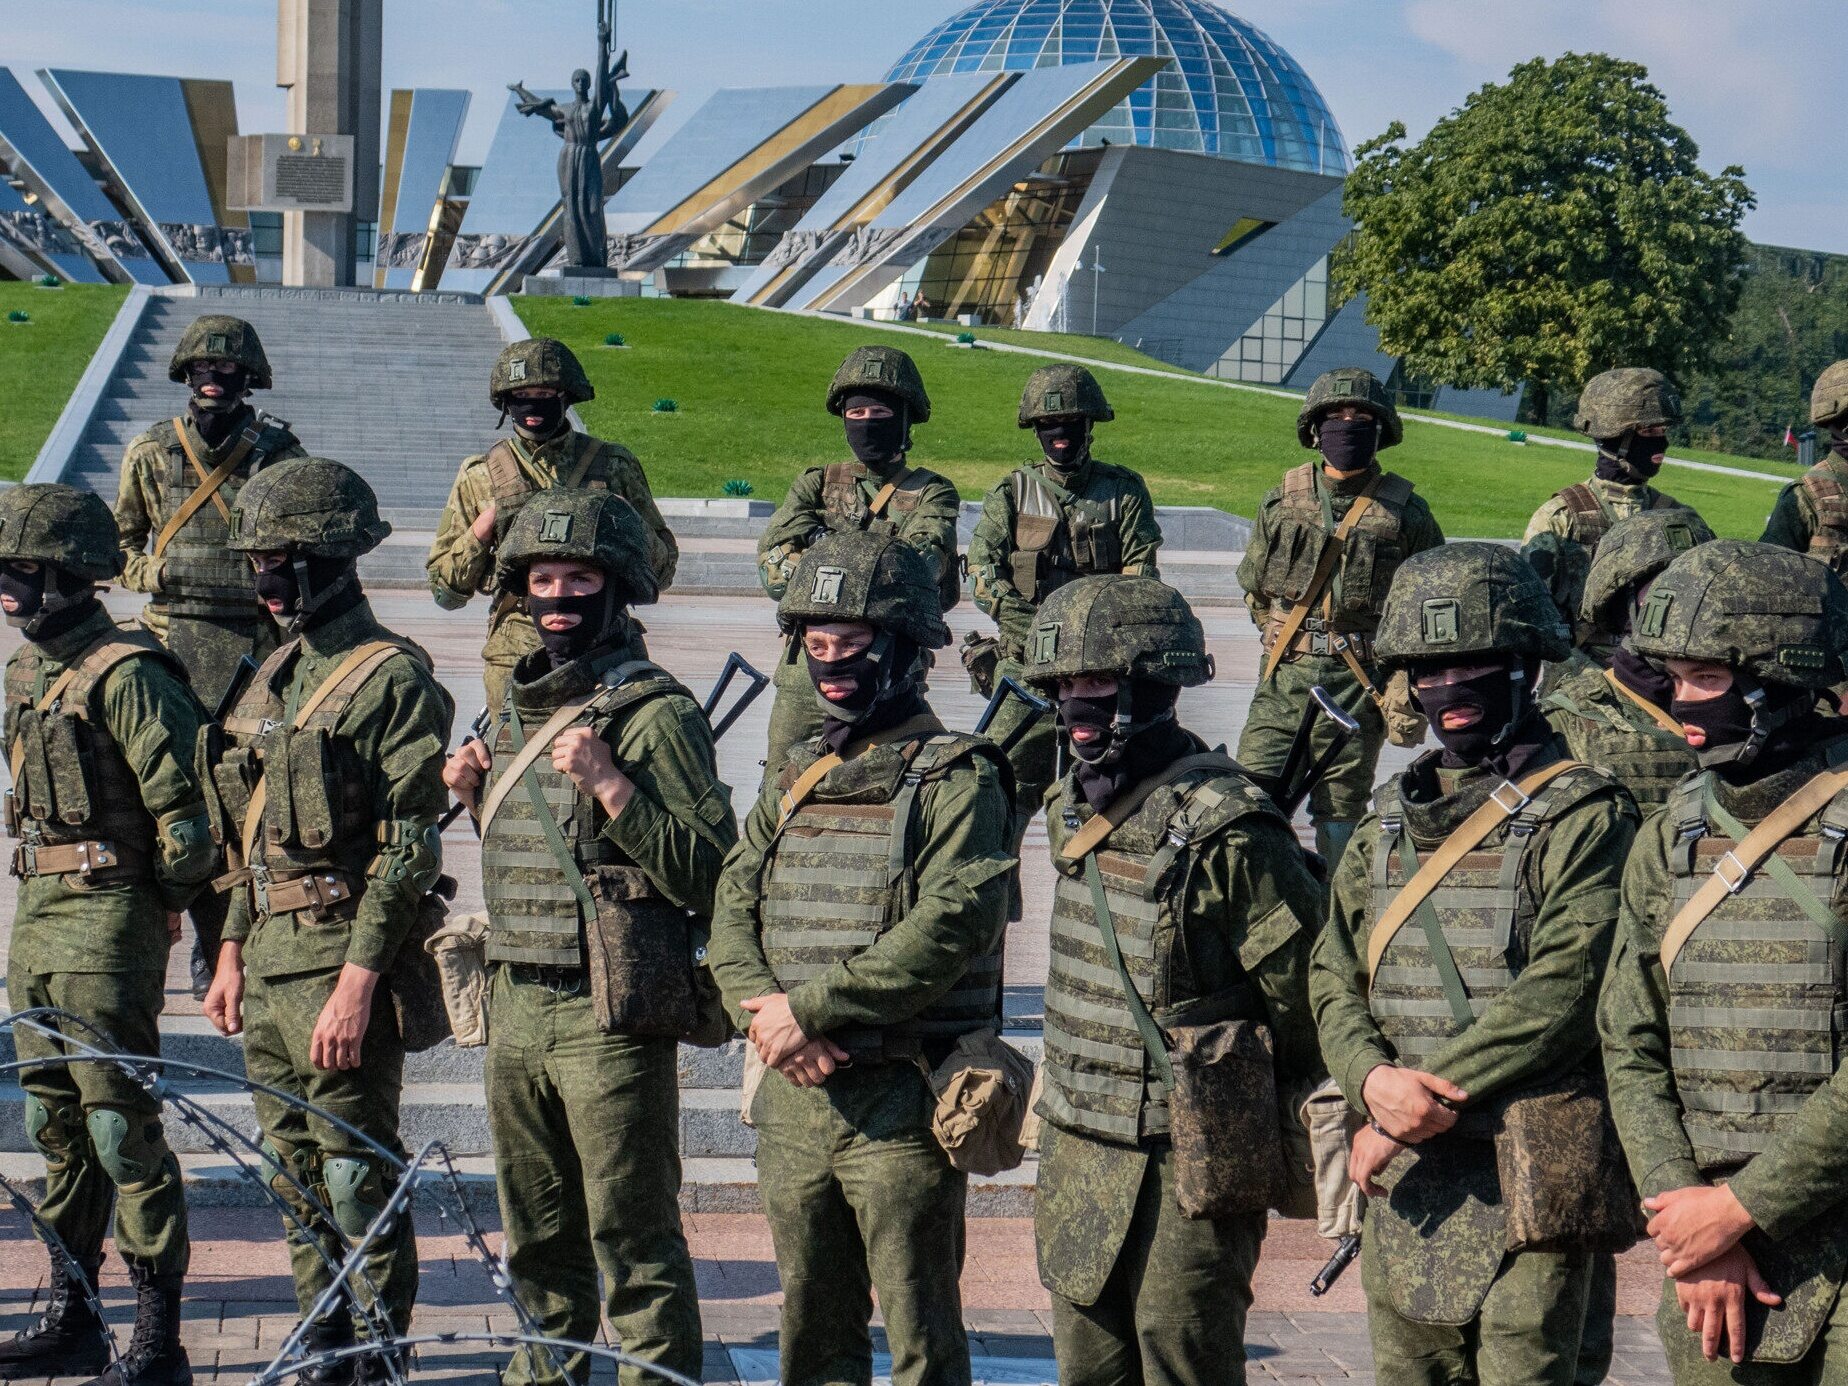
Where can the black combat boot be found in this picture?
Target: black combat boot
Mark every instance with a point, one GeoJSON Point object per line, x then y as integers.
{"type": "Point", "coordinates": [325, 1335]}
{"type": "Point", "coordinates": [68, 1338]}
{"type": "Point", "coordinates": [375, 1369]}
{"type": "Point", "coordinates": [154, 1356]}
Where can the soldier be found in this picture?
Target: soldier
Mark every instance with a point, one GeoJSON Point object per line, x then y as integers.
{"type": "Point", "coordinates": [1627, 412]}
{"type": "Point", "coordinates": [535, 382]}
{"type": "Point", "coordinates": [100, 728]}
{"type": "Point", "coordinates": [1811, 514]}
{"type": "Point", "coordinates": [1445, 1033]}
{"type": "Point", "coordinates": [1063, 517]}
{"type": "Point", "coordinates": [858, 935]}
{"type": "Point", "coordinates": [179, 482]}
{"type": "Point", "coordinates": [1321, 558]}
{"type": "Point", "coordinates": [879, 396]}
{"type": "Point", "coordinates": [327, 784]}
{"type": "Point", "coordinates": [584, 1105]}
{"type": "Point", "coordinates": [1722, 1013]}
{"type": "Point", "coordinates": [1214, 935]}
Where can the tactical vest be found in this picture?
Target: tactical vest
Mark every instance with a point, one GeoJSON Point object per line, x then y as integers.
{"type": "Point", "coordinates": [534, 915]}
{"type": "Point", "coordinates": [1824, 485]}
{"type": "Point", "coordinates": [202, 576]}
{"type": "Point", "coordinates": [317, 830]}
{"type": "Point", "coordinates": [1483, 908]}
{"type": "Point", "coordinates": [1589, 516]}
{"type": "Point", "coordinates": [587, 466]}
{"type": "Point", "coordinates": [1602, 728]}
{"type": "Point", "coordinates": [1096, 1076]}
{"type": "Point", "coordinates": [1060, 535]}
{"type": "Point", "coordinates": [1375, 549]}
{"type": "Point", "coordinates": [844, 502]}
{"type": "Point", "coordinates": [1759, 991]}
{"type": "Point", "coordinates": [841, 871]}
{"type": "Point", "coordinates": [73, 784]}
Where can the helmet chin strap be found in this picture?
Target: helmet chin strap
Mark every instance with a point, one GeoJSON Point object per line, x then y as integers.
{"type": "Point", "coordinates": [1766, 724]}
{"type": "Point", "coordinates": [308, 599]}
{"type": "Point", "coordinates": [56, 600]}
{"type": "Point", "coordinates": [1520, 699]}
{"type": "Point", "coordinates": [1124, 728]}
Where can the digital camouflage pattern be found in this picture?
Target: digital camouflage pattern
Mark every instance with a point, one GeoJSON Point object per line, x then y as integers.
{"type": "Point", "coordinates": [218, 337]}
{"type": "Point", "coordinates": [1630, 397]}
{"type": "Point", "coordinates": [1811, 513]}
{"type": "Point", "coordinates": [539, 363]}
{"type": "Point", "coordinates": [1349, 386]}
{"type": "Point", "coordinates": [1778, 615]}
{"type": "Point", "coordinates": [1133, 627]}
{"type": "Point", "coordinates": [1466, 599]}
{"type": "Point", "coordinates": [877, 579]}
{"type": "Point", "coordinates": [44, 522]}
{"type": "Point", "coordinates": [880, 368]}
{"type": "Point", "coordinates": [1568, 531]}
{"type": "Point", "coordinates": [1829, 396]}
{"type": "Point", "coordinates": [1607, 726]}
{"type": "Point", "coordinates": [595, 527]}
{"type": "Point", "coordinates": [1061, 391]}
{"type": "Point", "coordinates": [1634, 553]}
{"type": "Point", "coordinates": [308, 505]}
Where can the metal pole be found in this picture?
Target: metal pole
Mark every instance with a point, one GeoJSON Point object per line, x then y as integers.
{"type": "Point", "coordinates": [1097, 269]}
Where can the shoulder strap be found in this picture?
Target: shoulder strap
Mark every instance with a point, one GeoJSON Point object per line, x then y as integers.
{"type": "Point", "coordinates": [1656, 715]}
{"type": "Point", "coordinates": [1474, 830]}
{"type": "Point", "coordinates": [1152, 1042]}
{"type": "Point", "coordinates": [925, 724]}
{"type": "Point", "coordinates": [209, 482]}
{"type": "Point", "coordinates": [505, 478]}
{"type": "Point", "coordinates": [1093, 834]}
{"type": "Point", "coordinates": [1734, 869]}
{"type": "Point", "coordinates": [1298, 481]}
{"type": "Point", "coordinates": [883, 496]}
{"type": "Point", "coordinates": [521, 770]}
{"type": "Point", "coordinates": [1324, 570]}
{"type": "Point", "coordinates": [1591, 514]}
{"type": "Point", "coordinates": [587, 454]}
{"type": "Point", "coordinates": [90, 666]}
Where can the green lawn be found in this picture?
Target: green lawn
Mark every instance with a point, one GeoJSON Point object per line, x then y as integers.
{"type": "Point", "coordinates": [750, 385]}
{"type": "Point", "coordinates": [41, 359]}
{"type": "Point", "coordinates": [1067, 343]}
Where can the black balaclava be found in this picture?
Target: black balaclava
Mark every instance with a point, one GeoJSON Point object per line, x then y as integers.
{"type": "Point", "coordinates": [887, 672]}
{"type": "Point", "coordinates": [879, 444]}
{"type": "Point", "coordinates": [215, 417]}
{"type": "Point", "coordinates": [1138, 721]}
{"type": "Point", "coordinates": [1752, 728]}
{"type": "Point", "coordinates": [550, 411]}
{"type": "Point", "coordinates": [1838, 439]}
{"type": "Point", "coordinates": [51, 601]}
{"type": "Point", "coordinates": [1642, 677]}
{"type": "Point", "coordinates": [1504, 696]}
{"type": "Point", "coordinates": [315, 589]}
{"type": "Point", "coordinates": [599, 611]}
{"type": "Point", "coordinates": [1065, 442]}
{"type": "Point", "coordinates": [1349, 445]}
{"type": "Point", "coordinates": [1629, 459]}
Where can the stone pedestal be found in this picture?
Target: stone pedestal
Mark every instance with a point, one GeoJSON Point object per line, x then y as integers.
{"type": "Point", "coordinates": [579, 281]}
{"type": "Point", "coordinates": [328, 58]}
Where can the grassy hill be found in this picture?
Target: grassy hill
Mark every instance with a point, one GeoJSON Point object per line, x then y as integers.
{"type": "Point", "coordinates": [749, 387]}
{"type": "Point", "coordinates": [42, 358]}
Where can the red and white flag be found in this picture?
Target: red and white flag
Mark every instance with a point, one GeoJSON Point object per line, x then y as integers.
{"type": "Point", "coordinates": [1790, 439]}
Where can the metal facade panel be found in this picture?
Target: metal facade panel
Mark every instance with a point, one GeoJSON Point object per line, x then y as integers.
{"type": "Point", "coordinates": [32, 242]}
{"type": "Point", "coordinates": [436, 120]}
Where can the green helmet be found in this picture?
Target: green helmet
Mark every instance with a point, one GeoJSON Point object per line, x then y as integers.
{"type": "Point", "coordinates": [880, 368]}
{"type": "Point", "coordinates": [217, 337]}
{"type": "Point", "coordinates": [1779, 615]}
{"type": "Point", "coordinates": [1633, 553]}
{"type": "Point", "coordinates": [70, 529]}
{"type": "Point", "coordinates": [595, 527]}
{"type": "Point", "coordinates": [1129, 627]}
{"type": "Point", "coordinates": [1059, 391]}
{"type": "Point", "coordinates": [1630, 397]}
{"type": "Point", "coordinates": [309, 505]}
{"type": "Point", "coordinates": [1464, 599]}
{"type": "Point", "coordinates": [539, 363]}
{"type": "Point", "coordinates": [857, 575]}
{"type": "Point", "coordinates": [1829, 400]}
{"type": "Point", "coordinates": [1349, 385]}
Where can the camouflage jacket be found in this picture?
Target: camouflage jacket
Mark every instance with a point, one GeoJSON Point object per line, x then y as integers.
{"type": "Point", "coordinates": [1100, 487]}
{"type": "Point", "coordinates": [1564, 533]}
{"type": "Point", "coordinates": [1604, 725]}
{"type": "Point", "coordinates": [1542, 1024]}
{"type": "Point", "coordinates": [393, 734]}
{"type": "Point", "coordinates": [1798, 521]}
{"type": "Point", "coordinates": [923, 512]}
{"type": "Point", "coordinates": [154, 720]}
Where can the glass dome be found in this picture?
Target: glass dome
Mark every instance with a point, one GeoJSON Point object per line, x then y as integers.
{"type": "Point", "coordinates": [1228, 90]}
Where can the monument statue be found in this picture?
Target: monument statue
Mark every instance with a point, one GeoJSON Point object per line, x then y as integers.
{"type": "Point", "coordinates": [595, 116]}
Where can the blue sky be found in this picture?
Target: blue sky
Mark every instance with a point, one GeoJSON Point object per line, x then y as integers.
{"type": "Point", "coordinates": [1747, 78]}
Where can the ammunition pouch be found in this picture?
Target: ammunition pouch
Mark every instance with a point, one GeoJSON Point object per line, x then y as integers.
{"type": "Point", "coordinates": [1331, 1125]}
{"type": "Point", "coordinates": [641, 956]}
{"type": "Point", "coordinates": [1405, 724]}
{"type": "Point", "coordinates": [982, 1090]}
{"type": "Point", "coordinates": [459, 949]}
{"type": "Point", "coordinates": [980, 656]}
{"type": "Point", "coordinates": [1223, 1118]}
{"type": "Point", "coordinates": [1030, 562]}
{"type": "Point", "coordinates": [1564, 1180]}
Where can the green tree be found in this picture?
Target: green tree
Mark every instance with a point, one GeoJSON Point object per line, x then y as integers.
{"type": "Point", "coordinates": [1557, 225]}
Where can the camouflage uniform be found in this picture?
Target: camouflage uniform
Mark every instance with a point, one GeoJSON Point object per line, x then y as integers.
{"type": "Point", "coordinates": [877, 904]}
{"type": "Point", "coordinates": [585, 1123]}
{"type": "Point", "coordinates": [1219, 931]}
{"type": "Point", "coordinates": [1041, 527]}
{"type": "Point", "coordinates": [1524, 922]}
{"type": "Point", "coordinates": [506, 476]}
{"type": "Point", "coordinates": [921, 508]}
{"type": "Point", "coordinates": [339, 861]}
{"type": "Point", "coordinates": [1719, 1051]}
{"type": "Point", "coordinates": [100, 727]}
{"type": "Point", "coordinates": [1563, 536]}
{"type": "Point", "coordinates": [1295, 522]}
{"type": "Point", "coordinates": [1811, 514]}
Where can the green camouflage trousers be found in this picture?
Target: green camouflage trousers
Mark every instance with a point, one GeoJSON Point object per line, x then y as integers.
{"type": "Point", "coordinates": [1034, 757]}
{"type": "Point", "coordinates": [1525, 1334]}
{"type": "Point", "coordinates": [98, 1129]}
{"type": "Point", "coordinates": [1173, 1310]}
{"type": "Point", "coordinates": [1277, 707]}
{"type": "Point", "coordinates": [795, 715]}
{"type": "Point", "coordinates": [587, 1162]}
{"type": "Point", "coordinates": [1826, 1363]}
{"type": "Point", "coordinates": [347, 1177]}
{"type": "Point", "coordinates": [1597, 1344]}
{"type": "Point", "coordinates": [860, 1197]}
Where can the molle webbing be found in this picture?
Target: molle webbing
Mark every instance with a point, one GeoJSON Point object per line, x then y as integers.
{"type": "Point", "coordinates": [846, 505]}
{"type": "Point", "coordinates": [1059, 536]}
{"type": "Point", "coordinates": [201, 575]}
{"type": "Point", "coordinates": [1829, 540]}
{"type": "Point", "coordinates": [1591, 518]}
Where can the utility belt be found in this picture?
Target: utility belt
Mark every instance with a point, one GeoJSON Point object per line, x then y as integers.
{"type": "Point", "coordinates": [1314, 638]}
{"type": "Point", "coordinates": [326, 895]}
{"type": "Point", "coordinates": [86, 858]}
{"type": "Point", "coordinates": [562, 982]}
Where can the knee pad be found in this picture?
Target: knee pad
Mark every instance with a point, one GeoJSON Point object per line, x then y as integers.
{"type": "Point", "coordinates": [53, 1132]}
{"type": "Point", "coordinates": [130, 1146]}
{"type": "Point", "coordinates": [353, 1193]}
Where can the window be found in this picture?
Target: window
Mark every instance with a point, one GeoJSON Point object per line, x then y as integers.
{"type": "Point", "coordinates": [1269, 351]}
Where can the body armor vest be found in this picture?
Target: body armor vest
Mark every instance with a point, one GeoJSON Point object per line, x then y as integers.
{"type": "Point", "coordinates": [1759, 991]}
{"type": "Point", "coordinates": [841, 871]}
{"type": "Point", "coordinates": [1484, 909]}
{"type": "Point", "coordinates": [585, 466]}
{"type": "Point", "coordinates": [845, 504]}
{"type": "Point", "coordinates": [1096, 1074]}
{"type": "Point", "coordinates": [72, 783]}
{"type": "Point", "coordinates": [1824, 485]}
{"type": "Point", "coordinates": [1589, 517]}
{"type": "Point", "coordinates": [534, 915]}
{"type": "Point", "coordinates": [1060, 535]}
{"type": "Point", "coordinates": [1602, 727]}
{"type": "Point", "coordinates": [202, 576]}
{"type": "Point", "coordinates": [1375, 549]}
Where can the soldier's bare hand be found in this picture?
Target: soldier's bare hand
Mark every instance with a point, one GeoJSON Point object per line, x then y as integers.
{"type": "Point", "coordinates": [483, 528]}
{"type": "Point", "coordinates": [1695, 1225]}
{"type": "Point", "coordinates": [1713, 1297]}
{"type": "Point", "coordinates": [585, 757]}
{"type": "Point", "coordinates": [224, 999]}
{"type": "Point", "coordinates": [465, 771]}
{"type": "Point", "coordinates": [340, 1032]}
{"type": "Point", "coordinates": [173, 925]}
{"type": "Point", "coordinates": [774, 1029]}
{"type": "Point", "coordinates": [1410, 1106]}
{"type": "Point", "coordinates": [1371, 1153]}
{"type": "Point", "coordinates": [810, 1065]}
